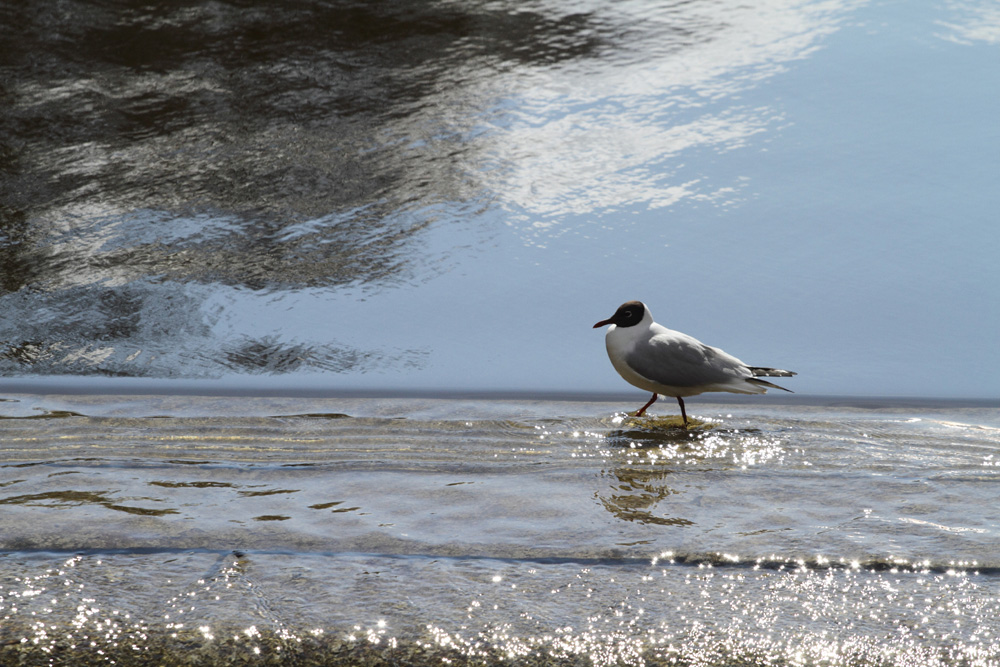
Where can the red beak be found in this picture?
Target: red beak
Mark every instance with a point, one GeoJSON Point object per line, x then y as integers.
{"type": "Point", "coordinates": [602, 323]}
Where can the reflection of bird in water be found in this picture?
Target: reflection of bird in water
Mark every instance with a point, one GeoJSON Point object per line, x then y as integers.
{"type": "Point", "coordinates": [670, 363]}
{"type": "Point", "coordinates": [637, 495]}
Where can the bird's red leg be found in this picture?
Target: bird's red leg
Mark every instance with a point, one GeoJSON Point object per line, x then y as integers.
{"type": "Point", "coordinates": [643, 408]}
{"type": "Point", "coordinates": [683, 411]}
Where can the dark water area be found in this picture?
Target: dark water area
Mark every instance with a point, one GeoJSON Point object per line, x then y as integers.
{"type": "Point", "coordinates": [151, 154]}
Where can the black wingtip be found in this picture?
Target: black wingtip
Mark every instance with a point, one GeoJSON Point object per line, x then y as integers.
{"type": "Point", "coordinates": [769, 385]}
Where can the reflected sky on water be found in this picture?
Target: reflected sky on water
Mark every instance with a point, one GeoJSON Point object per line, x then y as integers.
{"type": "Point", "coordinates": [448, 195]}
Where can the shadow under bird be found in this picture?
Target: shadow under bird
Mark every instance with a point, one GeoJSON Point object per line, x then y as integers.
{"type": "Point", "coordinates": [670, 363]}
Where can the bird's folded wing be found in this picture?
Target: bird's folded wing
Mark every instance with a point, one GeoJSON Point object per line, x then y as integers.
{"type": "Point", "coordinates": [677, 360]}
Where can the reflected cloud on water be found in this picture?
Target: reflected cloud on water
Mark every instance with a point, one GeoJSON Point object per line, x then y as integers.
{"type": "Point", "coordinates": [977, 22]}
{"type": "Point", "coordinates": [672, 89]}
{"type": "Point", "coordinates": [167, 168]}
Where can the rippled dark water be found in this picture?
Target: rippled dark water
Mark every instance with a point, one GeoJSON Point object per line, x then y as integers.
{"type": "Point", "coordinates": [154, 157]}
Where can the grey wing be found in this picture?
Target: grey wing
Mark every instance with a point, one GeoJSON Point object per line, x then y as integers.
{"type": "Point", "coordinates": [678, 360]}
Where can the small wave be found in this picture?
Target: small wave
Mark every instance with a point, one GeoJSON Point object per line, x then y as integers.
{"type": "Point", "coordinates": [810, 563]}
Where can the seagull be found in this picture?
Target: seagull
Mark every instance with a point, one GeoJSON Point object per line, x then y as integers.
{"type": "Point", "coordinates": [669, 363]}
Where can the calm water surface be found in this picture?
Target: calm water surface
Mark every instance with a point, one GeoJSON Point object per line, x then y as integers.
{"type": "Point", "coordinates": [426, 530]}
{"type": "Point", "coordinates": [447, 195]}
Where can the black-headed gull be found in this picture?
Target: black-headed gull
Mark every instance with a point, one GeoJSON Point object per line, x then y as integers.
{"type": "Point", "coordinates": [670, 363]}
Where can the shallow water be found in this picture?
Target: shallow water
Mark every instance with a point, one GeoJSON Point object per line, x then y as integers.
{"type": "Point", "coordinates": [340, 531]}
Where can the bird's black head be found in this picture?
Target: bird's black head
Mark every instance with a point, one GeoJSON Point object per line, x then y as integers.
{"type": "Point", "coordinates": [628, 314]}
